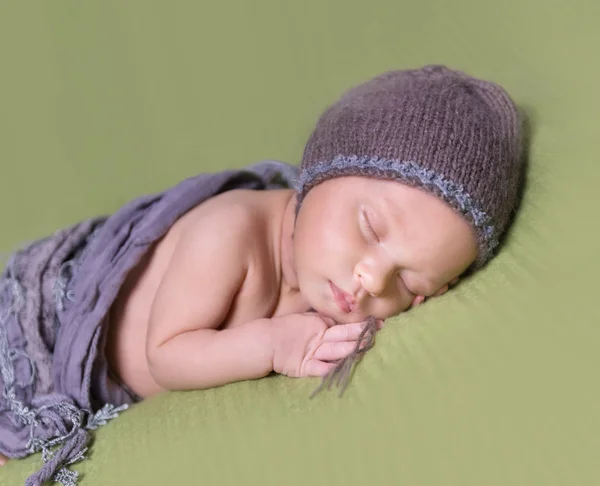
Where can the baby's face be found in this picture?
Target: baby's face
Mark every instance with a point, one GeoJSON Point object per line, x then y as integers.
{"type": "Point", "coordinates": [373, 247]}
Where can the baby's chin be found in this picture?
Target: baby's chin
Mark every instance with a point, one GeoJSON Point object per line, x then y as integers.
{"type": "Point", "coordinates": [339, 316]}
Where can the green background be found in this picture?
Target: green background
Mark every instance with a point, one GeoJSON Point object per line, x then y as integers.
{"type": "Point", "coordinates": [493, 384]}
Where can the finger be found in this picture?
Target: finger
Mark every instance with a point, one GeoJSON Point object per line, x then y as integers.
{"type": "Point", "coordinates": [327, 320]}
{"type": "Point", "coordinates": [419, 299]}
{"type": "Point", "coordinates": [314, 367]}
{"type": "Point", "coordinates": [344, 332]}
{"type": "Point", "coordinates": [332, 351]}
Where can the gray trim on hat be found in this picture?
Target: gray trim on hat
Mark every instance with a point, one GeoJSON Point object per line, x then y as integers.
{"type": "Point", "coordinates": [404, 171]}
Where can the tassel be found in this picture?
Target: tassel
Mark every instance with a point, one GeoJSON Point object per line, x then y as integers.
{"type": "Point", "coordinates": [341, 374]}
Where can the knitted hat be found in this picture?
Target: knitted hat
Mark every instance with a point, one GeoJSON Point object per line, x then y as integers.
{"type": "Point", "coordinates": [454, 136]}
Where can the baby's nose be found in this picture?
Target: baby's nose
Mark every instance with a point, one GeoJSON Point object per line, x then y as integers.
{"type": "Point", "coordinates": [374, 274]}
{"type": "Point", "coordinates": [376, 281]}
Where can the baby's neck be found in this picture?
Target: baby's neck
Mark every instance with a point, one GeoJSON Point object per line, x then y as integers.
{"type": "Point", "coordinates": [280, 208]}
{"type": "Point", "coordinates": [289, 280]}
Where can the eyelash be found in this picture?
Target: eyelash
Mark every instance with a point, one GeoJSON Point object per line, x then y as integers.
{"type": "Point", "coordinates": [369, 226]}
{"type": "Point", "coordinates": [372, 231]}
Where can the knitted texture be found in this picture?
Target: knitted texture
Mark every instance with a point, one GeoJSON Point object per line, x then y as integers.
{"type": "Point", "coordinates": [452, 135]}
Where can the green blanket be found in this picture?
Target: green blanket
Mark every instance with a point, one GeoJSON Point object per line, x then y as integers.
{"type": "Point", "coordinates": [494, 383]}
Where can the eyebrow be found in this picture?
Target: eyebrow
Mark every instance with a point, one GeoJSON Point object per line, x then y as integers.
{"type": "Point", "coordinates": [392, 210]}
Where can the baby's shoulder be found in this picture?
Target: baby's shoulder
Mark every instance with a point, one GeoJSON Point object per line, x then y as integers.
{"type": "Point", "coordinates": [240, 215]}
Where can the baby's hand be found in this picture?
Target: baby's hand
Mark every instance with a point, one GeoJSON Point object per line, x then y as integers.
{"type": "Point", "coordinates": [308, 344]}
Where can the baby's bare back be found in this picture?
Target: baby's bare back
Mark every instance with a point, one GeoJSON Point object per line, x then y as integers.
{"type": "Point", "coordinates": [258, 295]}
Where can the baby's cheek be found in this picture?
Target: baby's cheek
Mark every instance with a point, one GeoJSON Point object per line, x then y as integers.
{"type": "Point", "coordinates": [442, 291]}
{"type": "Point", "coordinates": [399, 306]}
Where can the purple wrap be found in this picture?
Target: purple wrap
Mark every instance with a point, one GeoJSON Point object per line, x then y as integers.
{"type": "Point", "coordinates": [54, 299]}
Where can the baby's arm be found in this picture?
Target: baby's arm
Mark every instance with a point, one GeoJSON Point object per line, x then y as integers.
{"type": "Point", "coordinates": [184, 349]}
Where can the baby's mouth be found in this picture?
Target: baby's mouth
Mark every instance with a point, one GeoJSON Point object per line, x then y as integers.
{"type": "Point", "coordinates": [344, 300]}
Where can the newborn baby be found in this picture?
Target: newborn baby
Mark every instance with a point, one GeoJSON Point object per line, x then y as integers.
{"type": "Point", "coordinates": [358, 247]}
{"type": "Point", "coordinates": [406, 182]}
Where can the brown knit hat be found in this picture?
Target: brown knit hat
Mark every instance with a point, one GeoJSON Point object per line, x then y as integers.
{"type": "Point", "coordinates": [454, 136]}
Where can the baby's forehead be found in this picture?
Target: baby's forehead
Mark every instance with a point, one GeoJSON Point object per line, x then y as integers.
{"type": "Point", "coordinates": [366, 186]}
{"type": "Point", "coordinates": [391, 193]}
{"type": "Point", "coordinates": [397, 200]}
